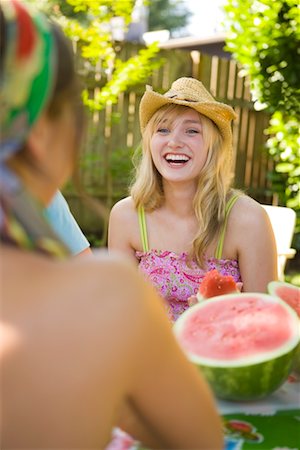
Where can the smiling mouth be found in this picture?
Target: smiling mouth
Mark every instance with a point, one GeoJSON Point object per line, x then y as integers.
{"type": "Point", "coordinates": [176, 158]}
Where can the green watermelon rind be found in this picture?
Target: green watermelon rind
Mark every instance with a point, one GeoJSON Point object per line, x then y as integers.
{"type": "Point", "coordinates": [248, 382]}
{"type": "Point", "coordinates": [252, 378]}
{"type": "Point", "coordinates": [272, 289]}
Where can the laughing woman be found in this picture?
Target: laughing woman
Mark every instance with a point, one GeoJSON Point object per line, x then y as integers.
{"type": "Point", "coordinates": [183, 217]}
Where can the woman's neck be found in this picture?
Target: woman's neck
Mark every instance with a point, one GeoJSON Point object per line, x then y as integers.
{"type": "Point", "coordinates": [179, 198]}
{"type": "Point", "coordinates": [35, 183]}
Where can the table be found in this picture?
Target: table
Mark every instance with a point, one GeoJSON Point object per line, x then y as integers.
{"type": "Point", "coordinates": [272, 423]}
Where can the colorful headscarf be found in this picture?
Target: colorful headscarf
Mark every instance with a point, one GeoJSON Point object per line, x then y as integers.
{"type": "Point", "coordinates": [26, 81]}
{"type": "Point", "coordinates": [27, 75]}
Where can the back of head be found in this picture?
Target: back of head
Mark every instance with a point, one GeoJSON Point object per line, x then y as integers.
{"type": "Point", "coordinates": [36, 71]}
{"type": "Point", "coordinates": [37, 79]}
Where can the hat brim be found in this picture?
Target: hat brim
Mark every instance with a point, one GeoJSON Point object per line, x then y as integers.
{"type": "Point", "coordinates": [220, 113]}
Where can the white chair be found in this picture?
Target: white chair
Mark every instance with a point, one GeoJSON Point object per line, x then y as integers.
{"type": "Point", "coordinates": [283, 222]}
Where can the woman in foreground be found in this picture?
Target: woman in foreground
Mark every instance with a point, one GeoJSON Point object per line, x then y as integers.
{"type": "Point", "coordinates": [84, 343]}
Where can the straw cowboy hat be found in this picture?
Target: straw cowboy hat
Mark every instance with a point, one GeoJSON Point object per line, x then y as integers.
{"type": "Point", "coordinates": [189, 92]}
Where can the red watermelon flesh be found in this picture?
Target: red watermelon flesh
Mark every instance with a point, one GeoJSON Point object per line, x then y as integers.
{"type": "Point", "coordinates": [237, 329]}
{"type": "Point", "coordinates": [214, 284]}
{"type": "Point", "coordinates": [290, 294]}
{"type": "Point", "coordinates": [287, 292]}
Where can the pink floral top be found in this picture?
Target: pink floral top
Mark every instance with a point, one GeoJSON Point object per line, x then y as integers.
{"type": "Point", "coordinates": [176, 278]}
{"type": "Point", "coordinates": [174, 275]}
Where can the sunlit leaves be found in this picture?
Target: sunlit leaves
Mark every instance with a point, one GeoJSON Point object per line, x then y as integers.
{"type": "Point", "coordinates": [89, 23]}
{"type": "Point", "coordinates": [264, 37]}
{"type": "Point", "coordinates": [125, 74]}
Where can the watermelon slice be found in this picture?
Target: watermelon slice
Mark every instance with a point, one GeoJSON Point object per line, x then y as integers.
{"type": "Point", "coordinates": [291, 295]}
{"type": "Point", "coordinates": [214, 284]}
{"type": "Point", "coordinates": [287, 292]}
{"type": "Point", "coordinates": [243, 343]}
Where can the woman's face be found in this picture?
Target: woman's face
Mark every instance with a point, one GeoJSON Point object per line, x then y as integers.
{"type": "Point", "coordinates": [61, 146]}
{"type": "Point", "coordinates": [49, 154]}
{"type": "Point", "coordinates": [177, 146]}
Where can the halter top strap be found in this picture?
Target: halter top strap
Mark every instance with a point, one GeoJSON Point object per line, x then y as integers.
{"type": "Point", "coordinates": [219, 249]}
{"type": "Point", "coordinates": [143, 228]}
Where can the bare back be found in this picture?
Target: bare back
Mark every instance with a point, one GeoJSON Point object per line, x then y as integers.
{"type": "Point", "coordinates": [77, 359]}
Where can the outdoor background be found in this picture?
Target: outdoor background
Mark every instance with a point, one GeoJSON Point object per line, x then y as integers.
{"type": "Point", "coordinates": [246, 52]}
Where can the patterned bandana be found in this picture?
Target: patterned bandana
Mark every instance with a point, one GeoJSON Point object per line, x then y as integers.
{"type": "Point", "coordinates": [27, 74]}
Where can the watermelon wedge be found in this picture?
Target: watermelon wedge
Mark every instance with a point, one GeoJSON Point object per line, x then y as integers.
{"type": "Point", "coordinates": [214, 284]}
{"type": "Point", "coordinates": [244, 343]}
{"type": "Point", "coordinates": [291, 295]}
{"type": "Point", "coordinates": [287, 292]}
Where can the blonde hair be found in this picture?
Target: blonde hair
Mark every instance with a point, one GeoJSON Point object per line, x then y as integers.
{"type": "Point", "coordinates": [214, 182]}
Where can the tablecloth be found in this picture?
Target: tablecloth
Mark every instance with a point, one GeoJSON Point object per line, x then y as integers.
{"type": "Point", "coordinates": [272, 423]}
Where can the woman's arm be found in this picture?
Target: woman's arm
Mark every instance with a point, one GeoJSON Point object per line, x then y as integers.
{"type": "Point", "coordinates": [255, 243]}
{"type": "Point", "coordinates": [123, 229]}
{"type": "Point", "coordinates": [64, 224]}
{"type": "Point", "coordinates": [172, 402]}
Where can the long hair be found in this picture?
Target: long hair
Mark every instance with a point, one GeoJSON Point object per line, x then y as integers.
{"type": "Point", "coordinates": [214, 183]}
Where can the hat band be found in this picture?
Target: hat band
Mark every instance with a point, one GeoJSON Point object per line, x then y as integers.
{"type": "Point", "coordinates": [180, 97]}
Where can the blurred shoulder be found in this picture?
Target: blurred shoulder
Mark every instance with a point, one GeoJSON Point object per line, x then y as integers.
{"type": "Point", "coordinates": [73, 275]}
{"type": "Point", "coordinates": [110, 279]}
{"type": "Point", "coordinates": [104, 267]}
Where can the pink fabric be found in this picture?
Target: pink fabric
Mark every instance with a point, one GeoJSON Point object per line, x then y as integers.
{"type": "Point", "coordinates": [122, 441]}
{"type": "Point", "coordinates": [176, 279]}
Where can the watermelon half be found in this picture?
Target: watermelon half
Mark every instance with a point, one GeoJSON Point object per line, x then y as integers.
{"type": "Point", "coordinates": [291, 295]}
{"type": "Point", "coordinates": [243, 343]}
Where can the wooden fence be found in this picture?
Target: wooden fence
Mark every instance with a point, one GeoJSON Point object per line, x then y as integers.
{"type": "Point", "coordinates": [113, 133]}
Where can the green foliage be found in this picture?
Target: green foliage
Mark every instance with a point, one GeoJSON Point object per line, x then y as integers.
{"type": "Point", "coordinates": [170, 15]}
{"type": "Point", "coordinates": [89, 23]}
{"type": "Point", "coordinates": [284, 145]}
{"type": "Point", "coordinates": [121, 168]}
{"type": "Point", "coordinates": [135, 70]}
{"type": "Point", "coordinates": [293, 278]}
{"type": "Point", "coordinates": [264, 37]}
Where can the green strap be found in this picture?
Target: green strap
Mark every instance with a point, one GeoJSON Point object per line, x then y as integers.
{"type": "Point", "coordinates": [229, 205]}
{"type": "Point", "coordinates": [143, 228]}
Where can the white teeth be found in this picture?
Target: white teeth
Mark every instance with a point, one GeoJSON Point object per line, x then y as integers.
{"type": "Point", "coordinates": [177, 157]}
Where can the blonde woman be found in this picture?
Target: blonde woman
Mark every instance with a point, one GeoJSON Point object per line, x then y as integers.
{"type": "Point", "coordinates": [183, 218]}
{"type": "Point", "coordinates": [84, 342]}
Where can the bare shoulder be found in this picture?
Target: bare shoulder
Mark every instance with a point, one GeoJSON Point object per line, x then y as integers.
{"type": "Point", "coordinates": [124, 208]}
{"type": "Point", "coordinates": [123, 230]}
{"type": "Point", "coordinates": [94, 288]}
{"type": "Point", "coordinates": [109, 275]}
{"type": "Point", "coordinates": [250, 239]}
{"type": "Point", "coordinates": [91, 277]}
{"type": "Point", "coordinates": [247, 222]}
{"type": "Point", "coordinates": [247, 212]}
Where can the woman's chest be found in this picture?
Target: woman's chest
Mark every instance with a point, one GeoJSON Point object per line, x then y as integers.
{"type": "Point", "coordinates": [169, 232]}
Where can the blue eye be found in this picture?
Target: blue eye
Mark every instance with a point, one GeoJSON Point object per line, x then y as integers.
{"type": "Point", "coordinates": [163, 130]}
{"type": "Point", "coordinates": [192, 131]}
